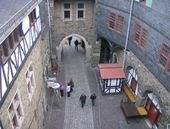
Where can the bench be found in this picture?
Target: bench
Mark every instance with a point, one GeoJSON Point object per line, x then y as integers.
{"type": "Point", "coordinates": [142, 111]}
{"type": "Point", "coordinates": [129, 93]}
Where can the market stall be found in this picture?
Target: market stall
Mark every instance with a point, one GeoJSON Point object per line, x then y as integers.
{"type": "Point", "coordinates": [111, 78]}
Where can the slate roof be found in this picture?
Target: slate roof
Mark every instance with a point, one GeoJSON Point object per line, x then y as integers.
{"type": "Point", "coordinates": [11, 14]}
{"type": "Point", "coordinates": [8, 8]}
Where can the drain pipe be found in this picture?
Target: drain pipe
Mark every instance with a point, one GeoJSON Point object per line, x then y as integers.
{"type": "Point", "coordinates": [127, 34]}
{"type": "Point", "coordinates": [49, 22]}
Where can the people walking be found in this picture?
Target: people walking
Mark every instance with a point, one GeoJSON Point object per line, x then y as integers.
{"type": "Point", "coordinates": [71, 83]}
{"type": "Point", "coordinates": [62, 90]}
{"type": "Point", "coordinates": [69, 40]}
{"type": "Point", "coordinates": [68, 90]}
{"type": "Point", "coordinates": [83, 100]}
{"type": "Point", "coordinates": [76, 45]}
{"type": "Point", "coordinates": [93, 97]}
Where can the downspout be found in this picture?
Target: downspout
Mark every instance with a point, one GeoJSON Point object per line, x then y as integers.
{"type": "Point", "coordinates": [49, 22]}
{"type": "Point", "coordinates": [127, 34]}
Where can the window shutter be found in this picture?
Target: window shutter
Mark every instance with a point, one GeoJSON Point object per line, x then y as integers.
{"type": "Point", "coordinates": [119, 23]}
{"type": "Point", "coordinates": [112, 21]}
{"type": "Point", "coordinates": [137, 33]}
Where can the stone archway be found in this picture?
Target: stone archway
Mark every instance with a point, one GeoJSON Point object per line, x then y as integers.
{"type": "Point", "coordinates": [87, 47]}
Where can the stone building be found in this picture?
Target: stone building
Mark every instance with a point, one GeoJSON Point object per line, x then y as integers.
{"type": "Point", "coordinates": [23, 57]}
{"type": "Point", "coordinates": [133, 33]}
{"type": "Point", "coordinates": [146, 60]}
{"type": "Point", "coordinates": [75, 19]}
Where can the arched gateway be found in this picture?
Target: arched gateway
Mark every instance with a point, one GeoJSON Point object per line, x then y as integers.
{"type": "Point", "coordinates": [60, 47]}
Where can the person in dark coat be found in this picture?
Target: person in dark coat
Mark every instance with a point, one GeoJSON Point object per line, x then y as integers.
{"type": "Point", "coordinates": [71, 83]}
{"type": "Point", "coordinates": [76, 45]}
{"type": "Point", "coordinates": [83, 100]}
{"type": "Point", "coordinates": [93, 97]}
{"type": "Point", "coordinates": [69, 40]}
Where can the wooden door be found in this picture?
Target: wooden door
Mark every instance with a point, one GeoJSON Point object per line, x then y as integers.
{"type": "Point", "coordinates": [153, 112]}
{"type": "Point", "coordinates": [133, 85]}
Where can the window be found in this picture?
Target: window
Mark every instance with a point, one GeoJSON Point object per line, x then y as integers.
{"type": "Point", "coordinates": [9, 44]}
{"type": "Point", "coordinates": [133, 84]}
{"type": "Point", "coordinates": [15, 111]}
{"type": "Point", "coordinates": [133, 80]}
{"type": "Point", "coordinates": [164, 57]}
{"type": "Point", "coordinates": [67, 11]}
{"type": "Point", "coordinates": [119, 24]}
{"type": "Point", "coordinates": [112, 21]}
{"type": "Point", "coordinates": [146, 2]}
{"type": "Point", "coordinates": [32, 16]}
{"type": "Point", "coordinates": [115, 22]}
{"type": "Point", "coordinates": [30, 81]}
{"type": "Point", "coordinates": [143, 1]}
{"type": "Point", "coordinates": [80, 11]}
{"type": "Point", "coordinates": [140, 36]}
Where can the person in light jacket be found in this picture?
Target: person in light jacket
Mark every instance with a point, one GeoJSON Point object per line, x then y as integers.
{"type": "Point", "coordinates": [68, 90]}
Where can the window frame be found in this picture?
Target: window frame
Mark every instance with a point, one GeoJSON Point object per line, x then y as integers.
{"type": "Point", "coordinates": [145, 2]}
{"type": "Point", "coordinates": [11, 43]}
{"type": "Point", "coordinates": [140, 36]}
{"type": "Point", "coordinates": [115, 22]}
{"type": "Point", "coordinates": [80, 9]}
{"type": "Point", "coordinates": [166, 55]}
{"type": "Point", "coordinates": [70, 11]}
{"type": "Point", "coordinates": [111, 21]}
{"type": "Point", "coordinates": [30, 81]}
{"type": "Point", "coordinates": [119, 23]}
{"type": "Point", "coordinates": [13, 112]}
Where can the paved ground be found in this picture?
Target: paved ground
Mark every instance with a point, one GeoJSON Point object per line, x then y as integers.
{"type": "Point", "coordinates": [67, 113]}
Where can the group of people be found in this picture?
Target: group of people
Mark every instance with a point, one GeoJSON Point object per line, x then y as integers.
{"type": "Point", "coordinates": [69, 89]}
{"type": "Point", "coordinates": [76, 43]}
{"type": "Point", "coordinates": [83, 99]}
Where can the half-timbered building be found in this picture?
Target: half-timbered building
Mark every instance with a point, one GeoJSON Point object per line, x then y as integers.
{"type": "Point", "coordinates": [22, 59]}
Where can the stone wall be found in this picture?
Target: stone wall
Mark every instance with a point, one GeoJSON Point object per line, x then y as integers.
{"type": "Point", "coordinates": [34, 109]}
{"type": "Point", "coordinates": [147, 81]}
{"type": "Point", "coordinates": [154, 21]}
{"type": "Point", "coordinates": [62, 29]}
